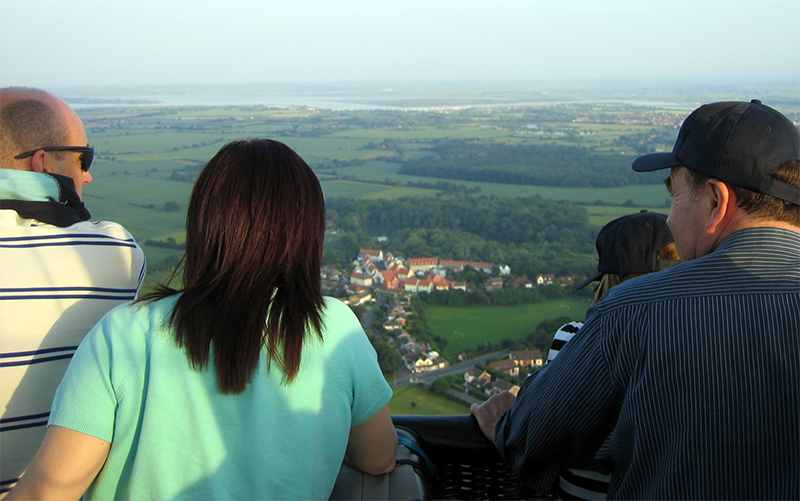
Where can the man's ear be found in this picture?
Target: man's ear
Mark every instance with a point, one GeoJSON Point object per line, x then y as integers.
{"type": "Point", "coordinates": [37, 161]}
{"type": "Point", "coordinates": [721, 204]}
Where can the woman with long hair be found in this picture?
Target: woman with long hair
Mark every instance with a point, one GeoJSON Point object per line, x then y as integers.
{"type": "Point", "coordinates": [245, 382]}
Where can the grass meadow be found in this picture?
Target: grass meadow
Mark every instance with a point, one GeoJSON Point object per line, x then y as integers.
{"type": "Point", "coordinates": [351, 189]}
{"type": "Point", "coordinates": [642, 196]}
{"type": "Point", "coordinates": [599, 215]}
{"type": "Point", "coordinates": [469, 327]}
{"type": "Point", "coordinates": [126, 198]}
{"type": "Point", "coordinates": [413, 399]}
{"type": "Point", "coordinates": [400, 192]}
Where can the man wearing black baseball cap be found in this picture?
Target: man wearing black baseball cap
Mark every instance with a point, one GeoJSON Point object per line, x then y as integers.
{"type": "Point", "coordinates": [686, 382]}
{"type": "Point", "coordinates": [741, 154]}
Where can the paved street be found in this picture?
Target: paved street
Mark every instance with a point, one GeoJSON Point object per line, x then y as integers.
{"type": "Point", "coordinates": [369, 316]}
{"type": "Point", "coordinates": [404, 376]}
{"type": "Point", "coordinates": [459, 368]}
{"type": "Point", "coordinates": [464, 397]}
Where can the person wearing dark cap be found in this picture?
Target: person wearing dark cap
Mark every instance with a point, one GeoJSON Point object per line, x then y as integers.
{"type": "Point", "coordinates": [684, 383]}
{"type": "Point", "coordinates": [627, 247]}
{"type": "Point", "coordinates": [630, 246]}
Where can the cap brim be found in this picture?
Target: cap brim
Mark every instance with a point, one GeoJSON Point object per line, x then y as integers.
{"type": "Point", "coordinates": [593, 278]}
{"type": "Point", "coordinates": [655, 161]}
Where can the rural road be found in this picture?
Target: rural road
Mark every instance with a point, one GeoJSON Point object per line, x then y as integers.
{"type": "Point", "coordinates": [459, 368]}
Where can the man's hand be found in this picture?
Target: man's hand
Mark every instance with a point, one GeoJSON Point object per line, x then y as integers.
{"type": "Point", "coordinates": [490, 412]}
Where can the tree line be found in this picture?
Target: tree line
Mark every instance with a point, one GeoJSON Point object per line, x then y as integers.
{"type": "Point", "coordinates": [507, 296]}
{"type": "Point", "coordinates": [532, 235]}
{"type": "Point", "coordinates": [529, 164]}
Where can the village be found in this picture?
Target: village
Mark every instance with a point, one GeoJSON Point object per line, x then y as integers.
{"type": "Point", "coordinates": [374, 269]}
{"type": "Point", "coordinates": [376, 273]}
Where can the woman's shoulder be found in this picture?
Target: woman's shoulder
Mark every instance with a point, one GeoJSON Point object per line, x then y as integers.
{"type": "Point", "coordinates": [156, 311]}
{"type": "Point", "coordinates": [336, 311]}
{"type": "Point", "coordinates": [340, 323]}
{"type": "Point", "coordinates": [133, 325]}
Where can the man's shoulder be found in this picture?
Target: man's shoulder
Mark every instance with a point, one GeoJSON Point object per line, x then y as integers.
{"type": "Point", "coordinates": [84, 232]}
{"type": "Point", "coordinates": [753, 261]}
{"type": "Point", "coordinates": [758, 239]}
{"type": "Point", "coordinates": [36, 189]}
{"type": "Point", "coordinates": [108, 228]}
{"type": "Point", "coordinates": [97, 254]}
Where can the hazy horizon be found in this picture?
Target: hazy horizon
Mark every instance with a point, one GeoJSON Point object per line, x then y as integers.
{"type": "Point", "coordinates": [668, 94]}
{"type": "Point", "coordinates": [95, 43]}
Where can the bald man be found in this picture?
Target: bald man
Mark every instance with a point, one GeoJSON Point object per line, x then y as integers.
{"type": "Point", "coordinates": [60, 273]}
{"type": "Point", "coordinates": [37, 120]}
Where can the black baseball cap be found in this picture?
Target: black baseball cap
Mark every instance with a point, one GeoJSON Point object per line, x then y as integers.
{"type": "Point", "coordinates": [630, 244]}
{"type": "Point", "coordinates": [737, 143]}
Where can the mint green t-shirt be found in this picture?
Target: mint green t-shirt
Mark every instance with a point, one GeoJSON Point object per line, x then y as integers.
{"type": "Point", "coordinates": [175, 436]}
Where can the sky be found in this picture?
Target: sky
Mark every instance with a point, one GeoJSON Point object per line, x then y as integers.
{"type": "Point", "coordinates": [46, 43]}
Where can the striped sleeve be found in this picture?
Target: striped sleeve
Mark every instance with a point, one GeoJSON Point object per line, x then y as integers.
{"type": "Point", "coordinates": [562, 336]}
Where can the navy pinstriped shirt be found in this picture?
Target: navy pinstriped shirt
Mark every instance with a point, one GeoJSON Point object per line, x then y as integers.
{"type": "Point", "coordinates": [693, 371]}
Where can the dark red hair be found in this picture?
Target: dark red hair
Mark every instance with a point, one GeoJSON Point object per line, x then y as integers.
{"type": "Point", "coordinates": [251, 279]}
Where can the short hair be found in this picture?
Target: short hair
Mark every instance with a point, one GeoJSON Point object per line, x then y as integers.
{"type": "Point", "coordinates": [255, 228]}
{"type": "Point", "coordinates": [28, 124]}
{"type": "Point", "coordinates": [761, 205]}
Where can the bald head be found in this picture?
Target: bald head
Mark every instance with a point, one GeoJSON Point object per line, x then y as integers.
{"type": "Point", "coordinates": [33, 118]}
{"type": "Point", "coordinates": [27, 121]}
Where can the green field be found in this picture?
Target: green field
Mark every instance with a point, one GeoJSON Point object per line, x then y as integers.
{"type": "Point", "coordinates": [357, 154]}
{"type": "Point", "coordinates": [400, 192]}
{"type": "Point", "coordinates": [642, 196]}
{"type": "Point", "coordinates": [412, 399]}
{"type": "Point", "coordinates": [599, 215]}
{"type": "Point", "coordinates": [126, 199]}
{"type": "Point", "coordinates": [469, 327]}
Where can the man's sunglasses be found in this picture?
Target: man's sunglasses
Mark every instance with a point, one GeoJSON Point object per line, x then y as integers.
{"type": "Point", "coordinates": [87, 154]}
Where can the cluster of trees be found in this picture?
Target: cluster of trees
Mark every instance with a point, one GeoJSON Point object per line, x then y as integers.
{"type": "Point", "coordinates": [183, 177]}
{"type": "Point", "coordinates": [532, 235]}
{"type": "Point", "coordinates": [393, 145]}
{"type": "Point", "coordinates": [532, 164]}
{"type": "Point", "coordinates": [417, 326]}
{"type": "Point", "coordinates": [507, 296]}
{"type": "Point", "coordinates": [646, 142]}
{"type": "Point", "coordinates": [511, 220]}
{"type": "Point", "coordinates": [172, 206]}
{"type": "Point", "coordinates": [540, 339]}
{"type": "Point", "coordinates": [446, 186]}
{"type": "Point", "coordinates": [168, 243]}
{"type": "Point", "coordinates": [168, 264]}
{"type": "Point", "coordinates": [388, 359]}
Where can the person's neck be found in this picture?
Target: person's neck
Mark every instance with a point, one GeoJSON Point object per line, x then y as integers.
{"type": "Point", "coordinates": [744, 221]}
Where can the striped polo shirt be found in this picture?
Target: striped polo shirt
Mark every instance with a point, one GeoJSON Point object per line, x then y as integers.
{"type": "Point", "coordinates": [55, 284]}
